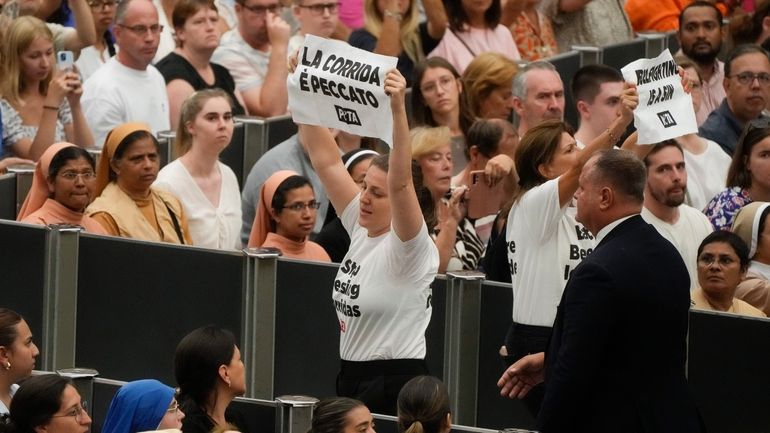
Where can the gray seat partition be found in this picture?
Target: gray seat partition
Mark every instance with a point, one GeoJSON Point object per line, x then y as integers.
{"type": "Point", "coordinates": [728, 371]}
{"type": "Point", "coordinates": [494, 411]}
{"type": "Point", "coordinates": [232, 156]}
{"type": "Point", "coordinates": [22, 259]}
{"type": "Point", "coordinates": [136, 300]}
{"type": "Point", "coordinates": [621, 54]}
{"type": "Point", "coordinates": [8, 196]}
{"type": "Point", "coordinates": [567, 64]}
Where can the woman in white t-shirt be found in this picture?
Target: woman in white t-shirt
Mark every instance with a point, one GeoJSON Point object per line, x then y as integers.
{"type": "Point", "coordinates": [545, 242]}
{"type": "Point", "coordinates": [17, 355]}
{"type": "Point", "coordinates": [207, 189]}
{"type": "Point", "coordinates": [382, 290]}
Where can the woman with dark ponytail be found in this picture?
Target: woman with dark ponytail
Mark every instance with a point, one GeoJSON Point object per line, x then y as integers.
{"type": "Point", "coordinates": [423, 406]}
{"type": "Point", "coordinates": [341, 415]}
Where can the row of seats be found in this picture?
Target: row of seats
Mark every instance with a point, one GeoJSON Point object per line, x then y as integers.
{"type": "Point", "coordinates": [280, 311]}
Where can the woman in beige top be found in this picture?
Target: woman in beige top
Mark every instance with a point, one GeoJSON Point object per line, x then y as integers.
{"type": "Point", "coordinates": [723, 259]}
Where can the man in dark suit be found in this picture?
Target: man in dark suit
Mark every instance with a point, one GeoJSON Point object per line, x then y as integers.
{"type": "Point", "coordinates": [616, 360]}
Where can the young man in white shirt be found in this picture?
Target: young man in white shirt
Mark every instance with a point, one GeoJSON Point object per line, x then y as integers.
{"type": "Point", "coordinates": [596, 90]}
{"type": "Point", "coordinates": [685, 227]}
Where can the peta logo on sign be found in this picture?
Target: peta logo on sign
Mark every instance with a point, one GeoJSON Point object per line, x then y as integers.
{"type": "Point", "coordinates": [347, 115]}
{"type": "Point", "coordinates": [666, 119]}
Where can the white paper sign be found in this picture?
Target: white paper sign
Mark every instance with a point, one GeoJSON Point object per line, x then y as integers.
{"type": "Point", "coordinates": [665, 111]}
{"type": "Point", "coordinates": [338, 86]}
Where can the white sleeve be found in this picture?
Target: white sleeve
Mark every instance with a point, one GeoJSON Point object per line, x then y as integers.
{"type": "Point", "coordinates": [411, 260]}
{"type": "Point", "coordinates": [349, 216]}
{"type": "Point", "coordinates": [540, 212]}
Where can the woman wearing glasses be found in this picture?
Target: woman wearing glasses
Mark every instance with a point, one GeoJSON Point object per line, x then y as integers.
{"type": "Point", "coordinates": [62, 188]}
{"type": "Point", "coordinates": [17, 355]}
{"type": "Point", "coordinates": [47, 403]}
{"type": "Point", "coordinates": [93, 57]}
{"type": "Point", "coordinates": [40, 104]}
{"type": "Point", "coordinates": [439, 99]}
{"type": "Point", "coordinates": [723, 259]}
{"type": "Point", "coordinates": [286, 215]}
{"type": "Point", "coordinates": [748, 178]}
{"type": "Point", "coordinates": [207, 189]}
{"type": "Point", "coordinates": [189, 68]}
{"type": "Point", "coordinates": [143, 405]}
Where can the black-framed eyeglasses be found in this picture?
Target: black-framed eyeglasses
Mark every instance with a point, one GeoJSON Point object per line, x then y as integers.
{"type": "Point", "coordinates": [100, 4]}
{"type": "Point", "coordinates": [76, 412]}
{"type": "Point", "coordinates": [261, 10]}
{"type": "Point", "coordinates": [299, 207]}
{"type": "Point", "coordinates": [747, 78]}
{"type": "Point", "coordinates": [320, 8]}
{"type": "Point", "coordinates": [141, 30]}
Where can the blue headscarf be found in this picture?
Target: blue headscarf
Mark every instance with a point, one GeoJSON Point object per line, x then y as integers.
{"type": "Point", "coordinates": [138, 406]}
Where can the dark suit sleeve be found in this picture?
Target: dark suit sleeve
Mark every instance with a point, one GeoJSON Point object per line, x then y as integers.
{"type": "Point", "coordinates": [578, 348]}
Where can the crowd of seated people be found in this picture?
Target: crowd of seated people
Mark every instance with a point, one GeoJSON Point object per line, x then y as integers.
{"type": "Point", "coordinates": [145, 66]}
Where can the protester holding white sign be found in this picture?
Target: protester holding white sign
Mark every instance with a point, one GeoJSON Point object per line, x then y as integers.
{"type": "Point", "coordinates": [338, 86]}
{"type": "Point", "coordinates": [382, 290]}
{"type": "Point", "coordinates": [665, 109]}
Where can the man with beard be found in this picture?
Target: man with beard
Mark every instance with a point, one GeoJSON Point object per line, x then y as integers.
{"type": "Point", "coordinates": [255, 54]}
{"type": "Point", "coordinates": [747, 84]}
{"type": "Point", "coordinates": [685, 227]}
{"type": "Point", "coordinates": [700, 36]}
{"type": "Point", "coordinates": [538, 95]}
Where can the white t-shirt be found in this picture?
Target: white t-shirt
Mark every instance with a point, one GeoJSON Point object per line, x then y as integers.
{"type": "Point", "coordinates": [91, 60]}
{"type": "Point", "coordinates": [116, 94]}
{"type": "Point", "coordinates": [706, 174]}
{"type": "Point", "coordinates": [247, 65]}
{"type": "Point", "coordinates": [686, 235]}
{"type": "Point", "coordinates": [3, 409]}
{"type": "Point", "coordinates": [211, 227]}
{"type": "Point", "coordinates": [382, 293]}
{"type": "Point", "coordinates": [545, 244]}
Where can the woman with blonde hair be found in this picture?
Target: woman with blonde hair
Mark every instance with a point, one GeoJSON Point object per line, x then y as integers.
{"type": "Point", "coordinates": [393, 28]}
{"type": "Point", "coordinates": [488, 84]}
{"type": "Point", "coordinates": [207, 188]}
{"type": "Point", "coordinates": [40, 104]}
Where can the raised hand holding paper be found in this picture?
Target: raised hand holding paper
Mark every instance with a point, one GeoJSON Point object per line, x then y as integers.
{"type": "Point", "coordinates": [665, 110]}
{"type": "Point", "coordinates": [338, 86]}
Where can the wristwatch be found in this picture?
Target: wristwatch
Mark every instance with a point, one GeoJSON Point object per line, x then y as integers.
{"type": "Point", "coordinates": [395, 15]}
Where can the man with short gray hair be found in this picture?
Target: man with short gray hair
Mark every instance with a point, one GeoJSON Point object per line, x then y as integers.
{"type": "Point", "coordinates": [538, 94]}
{"type": "Point", "coordinates": [128, 88]}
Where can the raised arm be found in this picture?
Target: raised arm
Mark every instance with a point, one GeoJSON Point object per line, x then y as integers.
{"type": "Point", "coordinates": [437, 18]}
{"type": "Point", "coordinates": [568, 182]}
{"type": "Point", "coordinates": [325, 156]}
{"type": "Point", "coordinates": [85, 35]}
{"type": "Point", "coordinates": [405, 209]}
{"type": "Point", "coordinates": [389, 42]}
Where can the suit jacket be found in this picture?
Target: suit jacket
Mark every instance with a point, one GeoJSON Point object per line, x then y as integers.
{"type": "Point", "coordinates": [616, 361]}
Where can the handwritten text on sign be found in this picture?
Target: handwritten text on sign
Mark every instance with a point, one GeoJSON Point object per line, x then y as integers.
{"type": "Point", "coordinates": [338, 86]}
{"type": "Point", "coordinates": [665, 111]}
